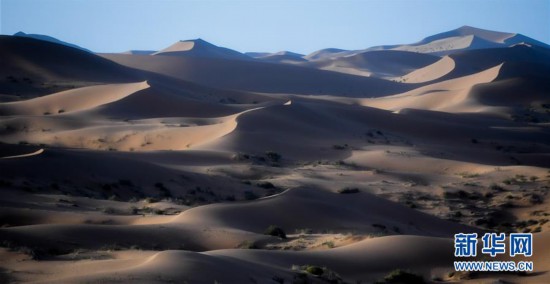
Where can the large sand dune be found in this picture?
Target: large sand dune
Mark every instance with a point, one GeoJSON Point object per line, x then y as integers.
{"type": "Point", "coordinates": [200, 48]}
{"type": "Point", "coordinates": [260, 76]}
{"type": "Point", "coordinates": [73, 100]}
{"type": "Point", "coordinates": [472, 61]}
{"type": "Point", "coordinates": [383, 63]}
{"type": "Point", "coordinates": [32, 67]}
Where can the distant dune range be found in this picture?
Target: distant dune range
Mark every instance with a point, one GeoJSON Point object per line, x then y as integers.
{"type": "Point", "coordinates": [185, 164]}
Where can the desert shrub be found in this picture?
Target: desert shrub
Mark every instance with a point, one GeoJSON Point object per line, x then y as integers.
{"type": "Point", "coordinates": [448, 195]}
{"type": "Point", "coordinates": [248, 245]}
{"type": "Point", "coordinates": [265, 184]}
{"type": "Point", "coordinates": [300, 278]}
{"type": "Point", "coordinates": [315, 270]}
{"type": "Point", "coordinates": [147, 210]}
{"type": "Point", "coordinates": [456, 214]}
{"type": "Point", "coordinates": [461, 275]}
{"type": "Point", "coordinates": [495, 187]}
{"type": "Point", "coordinates": [507, 204]}
{"type": "Point", "coordinates": [340, 147]}
{"type": "Point", "coordinates": [474, 196]}
{"type": "Point", "coordinates": [37, 253]}
{"type": "Point", "coordinates": [521, 178]}
{"type": "Point", "coordinates": [241, 157]}
{"type": "Point", "coordinates": [249, 195]}
{"type": "Point", "coordinates": [401, 276]}
{"type": "Point", "coordinates": [468, 175]}
{"type": "Point", "coordinates": [273, 156]}
{"type": "Point", "coordinates": [151, 200]}
{"type": "Point", "coordinates": [165, 192]}
{"type": "Point", "coordinates": [108, 210]}
{"type": "Point", "coordinates": [379, 226]}
{"type": "Point", "coordinates": [536, 199]}
{"type": "Point", "coordinates": [411, 204]}
{"type": "Point", "coordinates": [305, 231]}
{"type": "Point", "coordinates": [134, 210]}
{"type": "Point", "coordinates": [319, 272]}
{"type": "Point", "coordinates": [275, 231]}
{"type": "Point", "coordinates": [348, 190]}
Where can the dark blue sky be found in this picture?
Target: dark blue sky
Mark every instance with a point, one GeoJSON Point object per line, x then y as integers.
{"type": "Point", "coordinates": [301, 25]}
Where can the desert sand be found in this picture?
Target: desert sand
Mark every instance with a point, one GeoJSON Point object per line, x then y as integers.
{"type": "Point", "coordinates": [201, 164]}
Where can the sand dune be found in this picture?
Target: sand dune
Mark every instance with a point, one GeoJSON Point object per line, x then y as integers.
{"type": "Point", "coordinates": [313, 209]}
{"type": "Point", "coordinates": [508, 39]}
{"type": "Point", "coordinates": [449, 96]}
{"type": "Point", "coordinates": [42, 61]}
{"type": "Point", "coordinates": [473, 61]}
{"type": "Point", "coordinates": [514, 78]}
{"type": "Point", "coordinates": [382, 64]}
{"type": "Point", "coordinates": [35, 68]}
{"type": "Point", "coordinates": [260, 77]}
{"type": "Point", "coordinates": [72, 100]}
{"type": "Point", "coordinates": [368, 261]}
{"type": "Point", "coordinates": [279, 57]}
{"type": "Point", "coordinates": [492, 91]}
{"type": "Point", "coordinates": [464, 38]}
{"type": "Point", "coordinates": [200, 48]}
{"type": "Point", "coordinates": [270, 264]}
{"type": "Point", "coordinates": [323, 125]}
{"type": "Point", "coordinates": [431, 72]}
{"type": "Point", "coordinates": [499, 37]}
{"type": "Point", "coordinates": [326, 53]}
{"type": "Point", "coordinates": [168, 128]}
{"type": "Point", "coordinates": [226, 226]}
{"type": "Point", "coordinates": [50, 39]}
